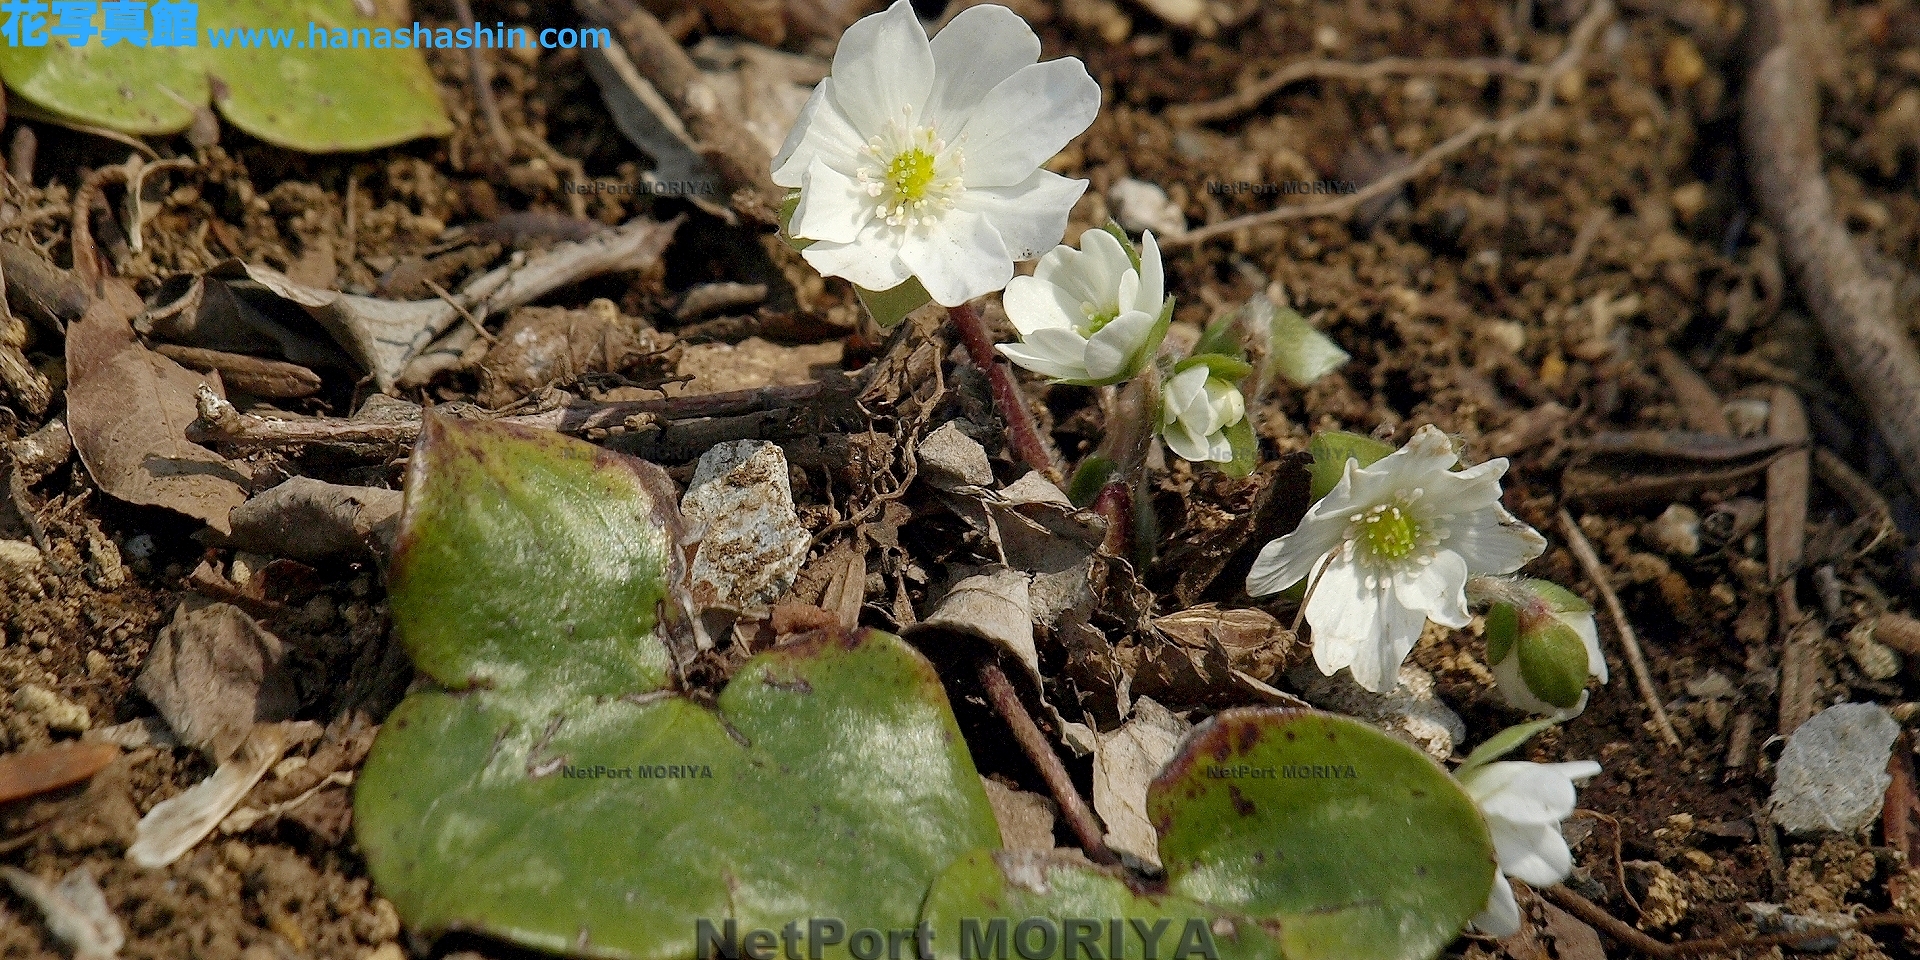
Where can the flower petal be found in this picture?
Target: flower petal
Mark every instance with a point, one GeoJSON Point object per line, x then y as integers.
{"type": "Point", "coordinates": [1030, 215]}
{"type": "Point", "coordinates": [958, 258]}
{"type": "Point", "coordinates": [1438, 589]}
{"type": "Point", "coordinates": [1501, 918]}
{"type": "Point", "coordinates": [1536, 854]}
{"type": "Point", "coordinates": [1187, 444]}
{"type": "Point", "coordinates": [821, 131]}
{"type": "Point", "coordinates": [1025, 119]}
{"type": "Point", "coordinates": [883, 69]}
{"type": "Point", "coordinates": [977, 49]}
{"type": "Point", "coordinates": [832, 206]}
{"type": "Point", "coordinates": [872, 260]}
{"type": "Point", "coordinates": [1031, 305]}
{"type": "Point", "coordinates": [1492, 541]}
{"type": "Point", "coordinates": [1359, 626]}
{"type": "Point", "coordinates": [1153, 282]}
{"type": "Point", "coordinates": [1042, 363]}
{"type": "Point", "coordinates": [1112, 352]}
{"type": "Point", "coordinates": [1286, 561]}
{"type": "Point", "coordinates": [1582, 624]}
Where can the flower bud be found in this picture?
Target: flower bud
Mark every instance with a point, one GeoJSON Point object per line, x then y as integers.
{"type": "Point", "coordinates": [1542, 645]}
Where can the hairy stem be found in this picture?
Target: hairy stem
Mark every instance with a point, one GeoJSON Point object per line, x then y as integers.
{"type": "Point", "coordinates": [1023, 436]}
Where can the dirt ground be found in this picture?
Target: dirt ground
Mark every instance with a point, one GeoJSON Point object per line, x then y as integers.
{"type": "Point", "coordinates": [1516, 297]}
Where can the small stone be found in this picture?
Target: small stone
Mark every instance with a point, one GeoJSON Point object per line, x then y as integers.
{"type": "Point", "coordinates": [1142, 206]}
{"type": "Point", "coordinates": [1683, 66]}
{"type": "Point", "coordinates": [19, 563]}
{"type": "Point", "coordinates": [1875, 659]}
{"type": "Point", "coordinates": [57, 712]}
{"type": "Point", "coordinates": [1675, 531]}
{"type": "Point", "coordinates": [1663, 905]}
{"type": "Point", "coordinates": [386, 951]}
{"type": "Point", "coordinates": [1747, 416]}
{"type": "Point", "coordinates": [98, 665]}
{"type": "Point", "coordinates": [1832, 776]}
{"type": "Point", "coordinates": [1645, 568]}
{"type": "Point", "coordinates": [752, 543]}
{"type": "Point", "coordinates": [950, 459]}
{"type": "Point", "coordinates": [1412, 711]}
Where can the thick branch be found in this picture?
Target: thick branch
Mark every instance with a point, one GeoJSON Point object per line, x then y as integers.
{"type": "Point", "coordinates": [1779, 129]}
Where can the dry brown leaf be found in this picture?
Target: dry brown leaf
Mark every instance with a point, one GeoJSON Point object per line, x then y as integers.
{"type": "Point", "coordinates": [37, 771]}
{"type": "Point", "coordinates": [128, 409]}
{"type": "Point", "coordinates": [214, 673]}
{"type": "Point", "coordinates": [1124, 763]}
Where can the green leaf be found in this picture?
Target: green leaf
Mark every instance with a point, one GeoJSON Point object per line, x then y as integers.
{"type": "Point", "coordinates": [1219, 367]}
{"type": "Point", "coordinates": [560, 797]}
{"type": "Point", "coordinates": [1553, 662]}
{"type": "Point", "coordinates": [831, 781]}
{"type": "Point", "coordinates": [529, 560]}
{"type": "Point", "coordinates": [1246, 449]}
{"type": "Point", "coordinates": [293, 95]}
{"type": "Point", "coordinates": [1223, 337]}
{"type": "Point", "coordinates": [1093, 473]}
{"type": "Point", "coordinates": [1358, 845]}
{"type": "Point", "coordinates": [1503, 628]}
{"type": "Point", "coordinates": [1503, 743]}
{"type": "Point", "coordinates": [1298, 352]}
{"type": "Point", "coordinates": [990, 898]}
{"type": "Point", "coordinates": [889, 307]}
{"type": "Point", "coordinates": [1331, 449]}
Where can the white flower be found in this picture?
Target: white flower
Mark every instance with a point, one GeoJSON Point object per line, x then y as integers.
{"type": "Point", "coordinates": [1390, 548]}
{"type": "Point", "coordinates": [1523, 804]}
{"type": "Point", "coordinates": [922, 159]}
{"type": "Point", "coordinates": [1088, 315]}
{"type": "Point", "coordinates": [1196, 410]}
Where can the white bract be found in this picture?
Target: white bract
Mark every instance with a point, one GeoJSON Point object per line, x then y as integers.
{"type": "Point", "coordinates": [1390, 548]}
{"type": "Point", "coordinates": [1089, 315]}
{"type": "Point", "coordinates": [1196, 410]}
{"type": "Point", "coordinates": [1523, 804]}
{"type": "Point", "coordinates": [921, 159]}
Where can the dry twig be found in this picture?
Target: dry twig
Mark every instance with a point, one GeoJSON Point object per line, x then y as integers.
{"type": "Point", "coordinates": [1073, 807]}
{"type": "Point", "coordinates": [482, 79]}
{"type": "Point", "coordinates": [1788, 478]}
{"type": "Point", "coordinates": [1636, 660]}
{"type": "Point", "coordinates": [1250, 96]}
{"type": "Point", "coordinates": [1582, 38]}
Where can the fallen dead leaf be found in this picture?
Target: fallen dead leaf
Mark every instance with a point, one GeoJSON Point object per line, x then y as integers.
{"type": "Point", "coordinates": [214, 673]}
{"type": "Point", "coordinates": [128, 409]}
{"type": "Point", "coordinates": [37, 771]}
{"type": "Point", "coordinates": [1124, 762]}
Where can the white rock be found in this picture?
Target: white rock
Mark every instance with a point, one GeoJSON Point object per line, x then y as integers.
{"type": "Point", "coordinates": [57, 712]}
{"type": "Point", "coordinates": [1676, 530]}
{"type": "Point", "coordinates": [1833, 775]}
{"type": "Point", "coordinates": [752, 543]}
{"type": "Point", "coordinates": [1410, 711]}
{"type": "Point", "coordinates": [1140, 205]}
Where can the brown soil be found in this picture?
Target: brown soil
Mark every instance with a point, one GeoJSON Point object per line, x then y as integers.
{"type": "Point", "coordinates": [1544, 269]}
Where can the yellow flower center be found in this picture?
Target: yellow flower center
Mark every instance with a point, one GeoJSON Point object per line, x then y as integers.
{"type": "Point", "coordinates": [909, 174]}
{"type": "Point", "coordinates": [912, 175]}
{"type": "Point", "coordinates": [1096, 319]}
{"type": "Point", "coordinates": [1388, 532]}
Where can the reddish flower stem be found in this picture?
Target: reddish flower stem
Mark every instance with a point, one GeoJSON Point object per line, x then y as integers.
{"type": "Point", "coordinates": [1023, 436]}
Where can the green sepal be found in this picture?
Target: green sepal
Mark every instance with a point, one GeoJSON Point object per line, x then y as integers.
{"type": "Point", "coordinates": [889, 307]}
{"type": "Point", "coordinates": [1246, 449]}
{"type": "Point", "coordinates": [1553, 662]}
{"type": "Point", "coordinates": [788, 207]}
{"type": "Point", "coordinates": [1331, 449]}
{"type": "Point", "coordinates": [1503, 630]}
{"type": "Point", "coordinates": [1503, 743]}
{"type": "Point", "coordinates": [1093, 473]}
{"type": "Point", "coordinates": [1126, 242]}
